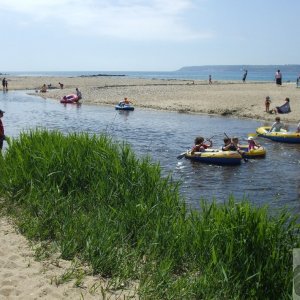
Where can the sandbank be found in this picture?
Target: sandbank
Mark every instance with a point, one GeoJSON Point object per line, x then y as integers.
{"type": "Point", "coordinates": [226, 98]}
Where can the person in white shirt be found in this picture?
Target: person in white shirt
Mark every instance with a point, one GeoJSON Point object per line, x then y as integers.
{"type": "Point", "coordinates": [277, 126]}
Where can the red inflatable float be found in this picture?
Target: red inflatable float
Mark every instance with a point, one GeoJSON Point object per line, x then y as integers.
{"type": "Point", "coordinates": [72, 98]}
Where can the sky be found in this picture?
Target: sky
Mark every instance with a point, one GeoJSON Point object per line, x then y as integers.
{"type": "Point", "coordinates": [140, 35]}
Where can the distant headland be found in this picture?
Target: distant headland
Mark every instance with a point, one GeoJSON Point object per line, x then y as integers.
{"type": "Point", "coordinates": [256, 68]}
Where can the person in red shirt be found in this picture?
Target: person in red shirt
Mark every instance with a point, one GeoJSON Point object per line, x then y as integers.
{"type": "Point", "coordinates": [200, 145]}
{"type": "Point", "coordinates": [2, 135]}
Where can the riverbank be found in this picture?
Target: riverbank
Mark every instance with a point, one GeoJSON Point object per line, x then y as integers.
{"type": "Point", "coordinates": [25, 276]}
{"type": "Point", "coordinates": [227, 98]}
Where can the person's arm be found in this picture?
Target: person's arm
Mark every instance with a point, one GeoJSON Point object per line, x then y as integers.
{"type": "Point", "coordinates": [194, 149]}
{"type": "Point", "coordinates": [209, 144]}
{"type": "Point", "coordinates": [272, 127]}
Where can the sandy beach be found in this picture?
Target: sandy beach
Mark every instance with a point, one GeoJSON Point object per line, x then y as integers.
{"type": "Point", "coordinates": [227, 98]}
{"type": "Point", "coordinates": [21, 276]}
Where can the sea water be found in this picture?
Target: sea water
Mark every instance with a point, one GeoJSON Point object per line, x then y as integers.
{"type": "Point", "coordinates": [221, 72]}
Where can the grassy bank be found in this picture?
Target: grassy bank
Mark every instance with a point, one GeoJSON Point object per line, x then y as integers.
{"type": "Point", "coordinates": [98, 202]}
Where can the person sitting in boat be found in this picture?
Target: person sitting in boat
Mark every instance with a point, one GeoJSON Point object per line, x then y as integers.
{"type": "Point", "coordinates": [125, 102]}
{"type": "Point", "coordinates": [200, 145]}
{"type": "Point", "coordinates": [78, 93]}
{"type": "Point", "coordinates": [277, 125]}
{"type": "Point", "coordinates": [231, 144]}
{"type": "Point", "coordinates": [252, 144]}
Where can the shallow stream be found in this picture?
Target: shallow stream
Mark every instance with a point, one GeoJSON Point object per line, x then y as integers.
{"type": "Point", "coordinates": [273, 180]}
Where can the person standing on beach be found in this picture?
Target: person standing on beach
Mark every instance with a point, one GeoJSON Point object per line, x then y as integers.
{"type": "Point", "coordinates": [278, 78]}
{"type": "Point", "coordinates": [267, 104]}
{"type": "Point", "coordinates": [2, 135]}
{"type": "Point", "coordinates": [3, 83]}
{"type": "Point", "coordinates": [78, 93]}
{"type": "Point", "coordinates": [6, 85]}
{"type": "Point", "coordinates": [245, 75]}
{"type": "Point", "coordinates": [209, 79]}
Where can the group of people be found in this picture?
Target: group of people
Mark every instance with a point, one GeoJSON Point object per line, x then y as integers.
{"type": "Point", "coordinates": [4, 84]}
{"type": "Point", "coordinates": [230, 144]}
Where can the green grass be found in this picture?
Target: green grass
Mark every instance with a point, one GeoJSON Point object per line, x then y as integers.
{"type": "Point", "coordinates": [98, 202]}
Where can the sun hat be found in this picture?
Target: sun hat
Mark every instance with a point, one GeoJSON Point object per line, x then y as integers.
{"type": "Point", "coordinates": [250, 138]}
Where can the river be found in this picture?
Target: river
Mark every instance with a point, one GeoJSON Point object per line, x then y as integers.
{"type": "Point", "coordinates": [273, 180]}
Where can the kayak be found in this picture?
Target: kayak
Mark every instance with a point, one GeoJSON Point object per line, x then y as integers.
{"type": "Point", "coordinates": [124, 107]}
{"type": "Point", "coordinates": [253, 153]}
{"type": "Point", "coordinates": [216, 157]}
{"type": "Point", "coordinates": [281, 136]}
{"type": "Point", "coordinates": [72, 98]}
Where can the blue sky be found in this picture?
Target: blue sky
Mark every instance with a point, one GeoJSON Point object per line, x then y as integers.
{"type": "Point", "coordinates": [154, 35]}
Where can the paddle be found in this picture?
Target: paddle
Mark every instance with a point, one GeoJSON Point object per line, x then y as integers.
{"type": "Point", "coordinates": [240, 152]}
{"type": "Point", "coordinates": [180, 156]}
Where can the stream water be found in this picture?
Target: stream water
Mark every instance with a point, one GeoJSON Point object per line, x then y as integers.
{"type": "Point", "coordinates": [273, 180]}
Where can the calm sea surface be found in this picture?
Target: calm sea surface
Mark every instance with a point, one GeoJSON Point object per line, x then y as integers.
{"type": "Point", "coordinates": [274, 180]}
{"type": "Point", "coordinates": [255, 73]}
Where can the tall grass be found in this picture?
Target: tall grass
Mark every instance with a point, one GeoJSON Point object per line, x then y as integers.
{"type": "Point", "coordinates": [100, 203]}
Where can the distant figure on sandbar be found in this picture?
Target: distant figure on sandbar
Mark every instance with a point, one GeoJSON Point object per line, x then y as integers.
{"type": "Point", "coordinates": [61, 85]}
{"type": "Point", "coordinates": [3, 83]}
{"type": "Point", "coordinates": [278, 78]}
{"type": "Point", "coordinates": [78, 93]}
{"type": "Point", "coordinates": [43, 89]}
{"type": "Point", "coordinates": [209, 79]}
{"type": "Point", "coordinates": [245, 75]}
{"type": "Point", "coordinates": [2, 135]}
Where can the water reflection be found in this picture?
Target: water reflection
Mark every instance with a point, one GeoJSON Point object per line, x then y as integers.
{"type": "Point", "coordinates": [163, 135]}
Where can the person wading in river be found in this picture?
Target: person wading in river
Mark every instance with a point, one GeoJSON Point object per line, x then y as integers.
{"type": "Point", "coordinates": [2, 135]}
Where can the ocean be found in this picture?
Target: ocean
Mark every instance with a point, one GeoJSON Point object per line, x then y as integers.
{"type": "Point", "coordinates": [220, 72]}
